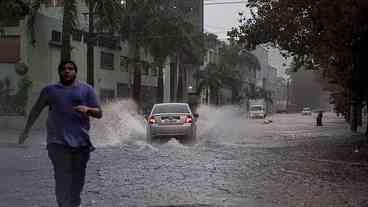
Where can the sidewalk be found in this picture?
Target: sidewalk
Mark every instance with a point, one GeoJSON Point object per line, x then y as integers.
{"type": "Point", "coordinates": [10, 137]}
{"type": "Point", "coordinates": [25, 171]}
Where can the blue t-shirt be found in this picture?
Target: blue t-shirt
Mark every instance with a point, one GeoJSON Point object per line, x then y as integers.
{"type": "Point", "coordinates": [65, 125]}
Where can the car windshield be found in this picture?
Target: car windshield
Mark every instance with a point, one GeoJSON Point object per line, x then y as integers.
{"type": "Point", "coordinates": [170, 108]}
{"type": "Point", "coordinates": [256, 108]}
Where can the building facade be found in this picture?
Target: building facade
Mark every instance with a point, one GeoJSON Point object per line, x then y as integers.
{"type": "Point", "coordinates": [34, 59]}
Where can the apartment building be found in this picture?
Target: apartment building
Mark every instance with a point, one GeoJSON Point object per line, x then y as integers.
{"type": "Point", "coordinates": [39, 56]}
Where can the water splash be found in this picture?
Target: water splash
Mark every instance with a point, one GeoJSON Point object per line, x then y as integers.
{"type": "Point", "coordinates": [224, 124]}
{"type": "Point", "coordinates": [120, 124]}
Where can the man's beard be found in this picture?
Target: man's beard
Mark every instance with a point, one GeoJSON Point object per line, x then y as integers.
{"type": "Point", "coordinates": [66, 82]}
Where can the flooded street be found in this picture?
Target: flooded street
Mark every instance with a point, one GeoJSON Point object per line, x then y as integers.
{"type": "Point", "coordinates": [235, 162]}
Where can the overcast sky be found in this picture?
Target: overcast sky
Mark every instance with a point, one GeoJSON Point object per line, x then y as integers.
{"type": "Point", "coordinates": [220, 18]}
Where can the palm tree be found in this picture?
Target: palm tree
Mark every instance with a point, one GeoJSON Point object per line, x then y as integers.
{"type": "Point", "coordinates": [169, 39]}
{"type": "Point", "coordinates": [136, 16]}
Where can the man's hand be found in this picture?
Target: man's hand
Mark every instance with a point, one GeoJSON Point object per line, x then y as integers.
{"type": "Point", "coordinates": [89, 111]}
{"type": "Point", "coordinates": [23, 137]}
{"type": "Point", "coordinates": [82, 109]}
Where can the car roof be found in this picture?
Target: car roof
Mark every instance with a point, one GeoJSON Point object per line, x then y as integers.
{"type": "Point", "coordinates": [162, 104]}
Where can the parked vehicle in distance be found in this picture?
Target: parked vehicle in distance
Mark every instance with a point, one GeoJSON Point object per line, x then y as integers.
{"type": "Point", "coordinates": [167, 120]}
{"type": "Point", "coordinates": [306, 111]}
{"type": "Point", "coordinates": [257, 108]}
{"type": "Point", "coordinates": [257, 111]}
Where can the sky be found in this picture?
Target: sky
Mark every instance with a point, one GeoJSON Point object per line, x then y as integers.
{"type": "Point", "coordinates": [221, 17]}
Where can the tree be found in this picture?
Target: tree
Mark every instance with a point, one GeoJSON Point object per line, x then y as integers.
{"type": "Point", "coordinates": [108, 14]}
{"type": "Point", "coordinates": [137, 15]}
{"type": "Point", "coordinates": [69, 18]}
{"type": "Point", "coordinates": [152, 26]}
{"type": "Point", "coordinates": [319, 34]}
{"type": "Point", "coordinates": [12, 10]}
{"type": "Point", "coordinates": [230, 70]}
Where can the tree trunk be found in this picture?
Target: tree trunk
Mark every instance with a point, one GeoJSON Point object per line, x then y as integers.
{"type": "Point", "coordinates": [354, 117]}
{"type": "Point", "coordinates": [366, 116]}
{"type": "Point", "coordinates": [176, 84]}
{"type": "Point", "coordinates": [67, 29]}
{"type": "Point", "coordinates": [137, 84]}
{"type": "Point", "coordinates": [160, 85]}
{"type": "Point", "coordinates": [366, 129]}
{"type": "Point", "coordinates": [179, 93]}
{"type": "Point", "coordinates": [134, 54]}
{"type": "Point", "coordinates": [90, 49]}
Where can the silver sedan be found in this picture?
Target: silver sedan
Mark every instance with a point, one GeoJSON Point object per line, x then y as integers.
{"type": "Point", "coordinates": [168, 120]}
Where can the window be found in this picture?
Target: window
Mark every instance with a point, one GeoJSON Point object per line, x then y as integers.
{"type": "Point", "coordinates": [145, 68]}
{"type": "Point", "coordinates": [154, 71]}
{"type": "Point", "coordinates": [124, 61]}
{"type": "Point", "coordinates": [55, 36]}
{"type": "Point", "coordinates": [10, 49]}
{"type": "Point", "coordinates": [107, 61]}
{"type": "Point", "coordinates": [107, 94]}
{"type": "Point", "coordinates": [170, 108]}
{"type": "Point", "coordinates": [122, 90]}
{"type": "Point", "coordinates": [11, 22]}
{"type": "Point", "coordinates": [77, 35]}
{"type": "Point", "coordinates": [54, 3]}
{"type": "Point", "coordinates": [108, 42]}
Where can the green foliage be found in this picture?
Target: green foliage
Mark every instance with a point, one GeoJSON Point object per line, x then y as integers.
{"type": "Point", "coordinates": [12, 10]}
{"type": "Point", "coordinates": [230, 70]}
{"type": "Point", "coordinates": [158, 28]}
{"type": "Point", "coordinates": [319, 34]}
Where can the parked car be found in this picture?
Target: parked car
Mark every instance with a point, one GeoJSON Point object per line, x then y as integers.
{"type": "Point", "coordinates": [167, 120]}
{"type": "Point", "coordinates": [306, 111]}
{"type": "Point", "coordinates": [257, 111]}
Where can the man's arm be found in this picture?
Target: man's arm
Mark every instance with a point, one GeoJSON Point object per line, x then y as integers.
{"type": "Point", "coordinates": [93, 108]}
{"type": "Point", "coordinates": [40, 104]}
{"type": "Point", "coordinates": [94, 112]}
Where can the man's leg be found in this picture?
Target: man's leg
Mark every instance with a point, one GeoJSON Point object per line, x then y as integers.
{"type": "Point", "coordinates": [61, 159]}
{"type": "Point", "coordinates": [80, 159]}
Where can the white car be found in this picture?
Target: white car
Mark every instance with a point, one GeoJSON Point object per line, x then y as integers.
{"type": "Point", "coordinates": [257, 111]}
{"type": "Point", "coordinates": [171, 120]}
{"type": "Point", "coordinates": [306, 111]}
